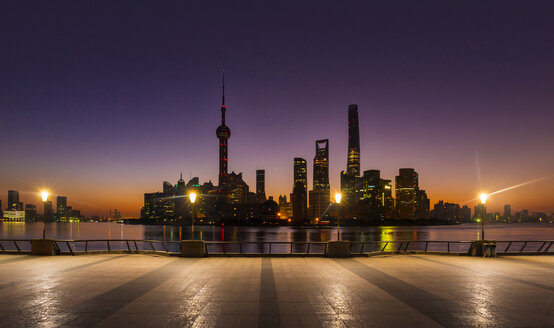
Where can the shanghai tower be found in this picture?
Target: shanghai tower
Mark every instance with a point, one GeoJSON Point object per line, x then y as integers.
{"type": "Point", "coordinates": [353, 162]}
{"type": "Point", "coordinates": [223, 134]}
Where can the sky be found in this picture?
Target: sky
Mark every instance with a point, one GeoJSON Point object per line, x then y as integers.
{"type": "Point", "coordinates": [101, 101]}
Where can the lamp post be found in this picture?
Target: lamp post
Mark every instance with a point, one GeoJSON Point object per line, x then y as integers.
{"type": "Point", "coordinates": [44, 196]}
{"type": "Point", "coordinates": [192, 197]}
{"type": "Point", "coordinates": [483, 198]}
{"type": "Point", "coordinates": [337, 199]}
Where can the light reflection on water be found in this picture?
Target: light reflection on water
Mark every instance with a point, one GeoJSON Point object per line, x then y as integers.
{"type": "Point", "coordinates": [86, 230]}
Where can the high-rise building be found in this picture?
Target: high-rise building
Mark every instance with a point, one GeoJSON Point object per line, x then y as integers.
{"type": "Point", "coordinates": [61, 207]}
{"type": "Point", "coordinates": [385, 188]}
{"type": "Point", "coordinates": [371, 203]}
{"type": "Point", "coordinates": [422, 204]}
{"type": "Point", "coordinates": [299, 196]}
{"type": "Point", "coordinates": [260, 185]}
{"type": "Point", "coordinates": [353, 161]}
{"type": "Point", "coordinates": [480, 212]}
{"type": "Point", "coordinates": [321, 165]}
{"type": "Point", "coordinates": [13, 201]}
{"type": "Point", "coordinates": [465, 214]}
{"type": "Point", "coordinates": [320, 199]}
{"type": "Point", "coordinates": [48, 211]}
{"type": "Point", "coordinates": [507, 212]}
{"type": "Point", "coordinates": [300, 172]}
{"type": "Point", "coordinates": [223, 134]}
{"type": "Point", "coordinates": [406, 193]}
{"type": "Point", "coordinates": [30, 213]}
{"type": "Point", "coordinates": [299, 203]}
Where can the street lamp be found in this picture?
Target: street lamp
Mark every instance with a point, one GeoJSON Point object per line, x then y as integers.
{"type": "Point", "coordinates": [44, 196]}
{"type": "Point", "coordinates": [337, 199]}
{"type": "Point", "coordinates": [483, 198]}
{"type": "Point", "coordinates": [192, 197]}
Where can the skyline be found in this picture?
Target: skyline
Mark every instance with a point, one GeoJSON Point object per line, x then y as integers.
{"type": "Point", "coordinates": [104, 118]}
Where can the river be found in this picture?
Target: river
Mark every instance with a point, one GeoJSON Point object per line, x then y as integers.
{"type": "Point", "coordinates": [104, 230]}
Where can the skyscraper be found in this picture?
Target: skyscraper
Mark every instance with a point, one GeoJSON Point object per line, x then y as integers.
{"type": "Point", "coordinates": [299, 194]}
{"type": "Point", "coordinates": [507, 212]}
{"type": "Point", "coordinates": [13, 201]}
{"type": "Point", "coordinates": [61, 207]}
{"type": "Point", "coordinates": [300, 172]}
{"type": "Point", "coordinates": [223, 134]}
{"type": "Point", "coordinates": [48, 211]}
{"type": "Point", "coordinates": [353, 161]}
{"type": "Point", "coordinates": [260, 185]}
{"type": "Point", "coordinates": [406, 193]}
{"type": "Point", "coordinates": [321, 165]}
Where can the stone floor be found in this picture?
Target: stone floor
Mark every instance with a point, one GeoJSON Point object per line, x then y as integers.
{"type": "Point", "coordinates": [388, 291]}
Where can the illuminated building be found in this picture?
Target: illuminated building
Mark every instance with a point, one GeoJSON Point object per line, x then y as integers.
{"type": "Point", "coordinates": [300, 172]}
{"type": "Point", "coordinates": [237, 187]}
{"type": "Point", "coordinates": [14, 215]}
{"type": "Point", "coordinates": [370, 203]}
{"type": "Point", "coordinates": [353, 162]}
{"type": "Point", "coordinates": [465, 214]}
{"type": "Point", "coordinates": [48, 211]}
{"type": "Point", "coordinates": [61, 207]}
{"type": "Point", "coordinates": [350, 190]}
{"type": "Point", "coordinates": [260, 185]}
{"type": "Point", "coordinates": [30, 213]}
{"type": "Point", "coordinates": [507, 212]}
{"type": "Point", "coordinates": [320, 200]}
{"type": "Point", "coordinates": [299, 196]}
{"type": "Point", "coordinates": [406, 193]}
{"type": "Point", "coordinates": [480, 212]}
{"type": "Point", "coordinates": [299, 203]}
{"type": "Point", "coordinates": [13, 201]}
{"type": "Point", "coordinates": [385, 188]}
{"type": "Point", "coordinates": [422, 205]}
{"type": "Point", "coordinates": [320, 197]}
{"type": "Point", "coordinates": [321, 165]}
{"type": "Point", "coordinates": [223, 134]}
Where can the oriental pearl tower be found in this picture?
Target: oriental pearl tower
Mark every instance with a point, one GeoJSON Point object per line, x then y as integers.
{"type": "Point", "coordinates": [223, 134]}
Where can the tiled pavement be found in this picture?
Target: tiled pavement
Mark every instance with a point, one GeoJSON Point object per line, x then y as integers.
{"type": "Point", "coordinates": [387, 291]}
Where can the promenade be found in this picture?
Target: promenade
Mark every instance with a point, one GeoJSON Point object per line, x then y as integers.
{"type": "Point", "coordinates": [130, 290]}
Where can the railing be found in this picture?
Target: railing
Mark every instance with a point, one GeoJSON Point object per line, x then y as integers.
{"type": "Point", "coordinates": [265, 248]}
{"type": "Point", "coordinates": [18, 246]}
{"type": "Point", "coordinates": [230, 248]}
{"type": "Point", "coordinates": [117, 246]}
{"type": "Point", "coordinates": [524, 247]}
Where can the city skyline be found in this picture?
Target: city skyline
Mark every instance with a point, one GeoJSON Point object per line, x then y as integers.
{"type": "Point", "coordinates": [102, 127]}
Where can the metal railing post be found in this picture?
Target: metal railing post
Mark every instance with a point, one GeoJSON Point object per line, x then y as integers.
{"type": "Point", "coordinates": [308, 251]}
{"type": "Point", "coordinates": [509, 244]}
{"type": "Point", "coordinates": [522, 248]}
{"type": "Point", "coordinates": [136, 247]}
{"type": "Point", "coordinates": [128, 247]}
{"type": "Point", "coordinates": [16, 246]}
{"type": "Point", "coordinates": [399, 247]}
{"type": "Point", "coordinates": [384, 247]}
{"type": "Point", "coordinates": [69, 246]}
{"type": "Point", "coordinates": [108, 242]}
{"type": "Point", "coordinates": [448, 247]}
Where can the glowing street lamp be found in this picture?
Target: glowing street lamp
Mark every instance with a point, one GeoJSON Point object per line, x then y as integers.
{"type": "Point", "coordinates": [44, 196]}
{"type": "Point", "coordinates": [192, 198]}
{"type": "Point", "coordinates": [483, 198]}
{"type": "Point", "coordinates": [338, 196]}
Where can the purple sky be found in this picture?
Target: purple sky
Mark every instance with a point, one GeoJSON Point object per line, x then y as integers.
{"type": "Point", "coordinates": [102, 101]}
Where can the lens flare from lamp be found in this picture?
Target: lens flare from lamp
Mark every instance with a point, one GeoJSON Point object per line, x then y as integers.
{"type": "Point", "coordinates": [338, 197]}
{"type": "Point", "coordinates": [44, 195]}
{"type": "Point", "coordinates": [192, 197]}
{"type": "Point", "coordinates": [483, 198]}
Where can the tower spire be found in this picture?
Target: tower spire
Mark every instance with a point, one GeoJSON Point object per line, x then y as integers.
{"type": "Point", "coordinates": [223, 94]}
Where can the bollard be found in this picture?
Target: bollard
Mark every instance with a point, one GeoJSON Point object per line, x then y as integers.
{"type": "Point", "coordinates": [338, 248]}
{"type": "Point", "coordinates": [484, 248]}
{"type": "Point", "coordinates": [44, 247]}
{"type": "Point", "coordinates": [193, 248]}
